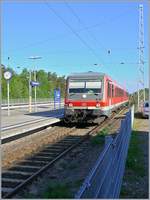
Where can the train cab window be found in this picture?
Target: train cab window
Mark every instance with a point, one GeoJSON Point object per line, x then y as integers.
{"type": "Point", "coordinates": [76, 87]}
{"type": "Point", "coordinates": [93, 87]}
{"type": "Point", "coordinates": [85, 86]}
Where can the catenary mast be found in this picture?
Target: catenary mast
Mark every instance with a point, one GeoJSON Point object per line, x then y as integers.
{"type": "Point", "coordinates": [141, 87]}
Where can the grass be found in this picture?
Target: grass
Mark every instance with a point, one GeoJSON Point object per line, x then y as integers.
{"type": "Point", "coordinates": [124, 192]}
{"type": "Point", "coordinates": [57, 190]}
{"type": "Point", "coordinates": [99, 138]}
{"type": "Point", "coordinates": [61, 190]}
{"type": "Point", "coordinates": [78, 183]}
{"type": "Point", "coordinates": [134, 164]}
{"type": "Point", "coordinates": [104, 132]}
{"type": "Point", "coordinates": [63, 165]}
{"type": "Point", "coordinates": [29, 196]}
{"type": "Point", "coordinates": [135, 156]}
{"type": "Point", "coordinates": [72, 166]}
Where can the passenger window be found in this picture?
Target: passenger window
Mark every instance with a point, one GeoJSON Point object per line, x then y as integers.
{"type": "Point", "coordinates": [109, 90]}
{"type": "Point", "coordinates": [112, 90]}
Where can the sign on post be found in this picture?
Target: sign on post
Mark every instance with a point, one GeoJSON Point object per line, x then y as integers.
{"type": "Point", "coordinates": [57, 97]}
{"type": "Point", "coordinates": [7, 76]}
{"type": "Point", "coordinates": [34, 83]}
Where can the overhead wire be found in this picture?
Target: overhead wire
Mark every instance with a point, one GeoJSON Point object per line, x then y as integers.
{"type": "Point", "coordinates": [73, 31]}
{"type": "Point", "coordinates": [83, 24]}
{"type": "Point", "coordinates": [84, 28]}
{"type": "Point", "coordinates": [64, 35]}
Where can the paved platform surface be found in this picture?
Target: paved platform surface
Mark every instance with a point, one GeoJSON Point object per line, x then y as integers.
{"type": "Point", "coordinates": [18, 116]}
{"type": "Point", "coordinates": [21, 121]}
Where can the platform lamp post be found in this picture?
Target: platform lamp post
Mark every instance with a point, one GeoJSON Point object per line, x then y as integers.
{"type": "Point", "coordinates": [30, 92]}
{"type": "Point", "coordinates": [30, 88]}
{"type": "Point", "coordinates": [34, 58]}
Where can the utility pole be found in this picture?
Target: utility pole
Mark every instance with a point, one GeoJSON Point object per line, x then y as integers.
{"type": "Point", "coordinates": [34, 58]}
{"type": "Point", "coordinates": [141, 95]}
{"type": "Point", "coordinates": [35, 91]}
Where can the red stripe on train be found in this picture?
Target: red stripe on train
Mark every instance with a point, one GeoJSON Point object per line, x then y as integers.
{"type": "Point", "coordinates": [89, 103]}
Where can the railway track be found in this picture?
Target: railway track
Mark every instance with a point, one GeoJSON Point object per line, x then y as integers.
{"type": "Point", "coordinates": [24, 171]}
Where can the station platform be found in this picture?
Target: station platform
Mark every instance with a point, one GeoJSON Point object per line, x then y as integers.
{"type": "Point", "coordinates": [22, 122]}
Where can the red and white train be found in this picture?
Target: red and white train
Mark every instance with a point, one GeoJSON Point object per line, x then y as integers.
{"type": "Point", "coordinates": [90, 95]}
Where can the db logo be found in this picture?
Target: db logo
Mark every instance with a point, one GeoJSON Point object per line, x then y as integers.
{"type": "Point", "coordinates": [84, 104]}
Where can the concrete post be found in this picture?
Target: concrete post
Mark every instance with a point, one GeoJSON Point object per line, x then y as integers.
{"type": "Point", "coordinates": [30, 93]}
{"type": "Point", "coordinates": [132, 116]}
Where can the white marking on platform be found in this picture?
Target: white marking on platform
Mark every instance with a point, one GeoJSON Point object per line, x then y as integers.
{"type": "Point", "coordinates": [29, 122]}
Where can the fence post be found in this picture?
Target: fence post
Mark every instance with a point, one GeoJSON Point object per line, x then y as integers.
{"type": "Point", "coordinates": [107, 174]}
{"type": "Point", "coordinates": [132, 115]}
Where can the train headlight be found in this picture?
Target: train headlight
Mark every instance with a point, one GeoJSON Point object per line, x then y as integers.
{"type": "Point", "coordinates": [84, 96]}
{"type": "Point", "coordinates": [70, 105]}
{"type": "Point", "coordinates": [97, 105]}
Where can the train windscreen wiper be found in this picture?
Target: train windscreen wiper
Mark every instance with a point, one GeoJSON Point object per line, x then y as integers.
{"type": "Point", "coordinates": [72, 94]}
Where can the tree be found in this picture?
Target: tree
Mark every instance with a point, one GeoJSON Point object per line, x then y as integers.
{"type": "Point", "coordinates": [19, 84]}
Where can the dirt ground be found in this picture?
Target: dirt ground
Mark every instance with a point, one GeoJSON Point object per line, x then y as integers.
{"type": "Point", "coordinates": [135, 182]}
{"type": "Point", "coordinates": [69, 172]}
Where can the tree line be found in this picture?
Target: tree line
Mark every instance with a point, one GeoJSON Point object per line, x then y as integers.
{"type": "Point", "coordinates": [19, 84]}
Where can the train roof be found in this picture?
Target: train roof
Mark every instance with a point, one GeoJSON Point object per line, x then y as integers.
{"type": "Point", "coordinates": [86, 74]}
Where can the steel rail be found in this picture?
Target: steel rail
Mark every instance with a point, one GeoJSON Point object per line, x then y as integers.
{"type": "Point", "coordinates": [41, 170]}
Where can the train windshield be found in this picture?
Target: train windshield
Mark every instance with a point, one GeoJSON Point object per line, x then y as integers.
{"type": "Point", "coordinates": [85, 86]}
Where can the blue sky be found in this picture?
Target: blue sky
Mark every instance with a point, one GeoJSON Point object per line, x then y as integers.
{"type": "Point", "coordinates": [72, 37]}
